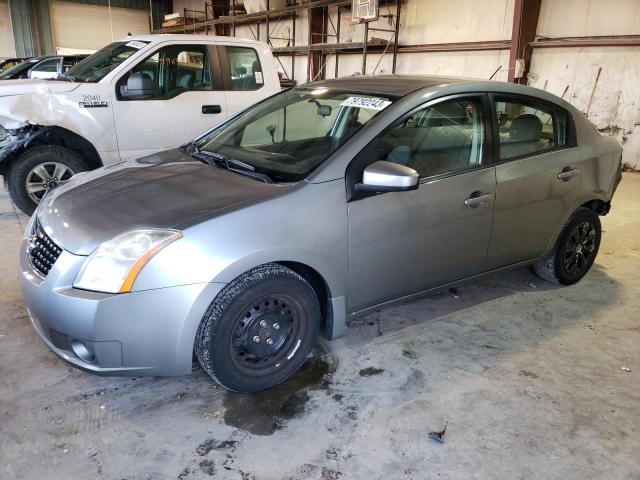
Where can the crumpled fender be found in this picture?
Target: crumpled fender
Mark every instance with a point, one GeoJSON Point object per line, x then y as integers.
{"type": "Point", "coordinates": [21, 110]}
{"type": "Point", "coordinates": [24, 102]}
{"type": "Point", "coordinates": [18, 140]}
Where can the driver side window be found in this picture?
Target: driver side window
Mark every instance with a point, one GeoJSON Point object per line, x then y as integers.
{"type": "Point", "coordinates": [447, 137]}
{"type": "Point", "coordinates": [173, 70]}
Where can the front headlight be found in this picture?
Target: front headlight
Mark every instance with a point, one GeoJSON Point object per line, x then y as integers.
{"type": "Point", "coordinates": [115, 264]}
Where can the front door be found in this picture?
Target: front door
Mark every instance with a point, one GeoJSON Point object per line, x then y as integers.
{"type": "Point", "coordinates": [405, 242]}
{"type": "Point", "coordinates": [187, 100]}
{"type": "Point", "coordinates": [538, 178]}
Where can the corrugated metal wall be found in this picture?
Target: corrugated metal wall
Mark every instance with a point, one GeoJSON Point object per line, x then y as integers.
{"type": "Point", "coordinates": [31, 22]}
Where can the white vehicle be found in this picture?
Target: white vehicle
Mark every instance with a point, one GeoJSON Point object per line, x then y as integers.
{"type": "Point", "coordinates": [132, 98]}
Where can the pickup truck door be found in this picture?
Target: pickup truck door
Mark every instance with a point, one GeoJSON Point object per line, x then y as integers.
{"type": "Point", "coordinates": [248, 75]}
{"type": "Point", "coordinates": [180, 96]}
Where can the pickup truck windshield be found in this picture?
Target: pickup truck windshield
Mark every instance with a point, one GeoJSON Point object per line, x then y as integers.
{"type": "Point", "coordinates": [95, 67]}
{"type": "Point", "coordinates": [289, 135]}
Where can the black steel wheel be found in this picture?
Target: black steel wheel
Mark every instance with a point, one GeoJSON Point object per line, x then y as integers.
{"type": "Point", "coordinates": [259, 329]}
{"type": "Point", "coordinates": [266, 332]}
{"type": "Point", "coordinates": [574, 252]}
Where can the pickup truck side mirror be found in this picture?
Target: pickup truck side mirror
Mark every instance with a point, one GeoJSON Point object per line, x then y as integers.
{"type": "Point", "coordinates": [383, 176]}
{"type": "Point", "coordinates": [139, 86]}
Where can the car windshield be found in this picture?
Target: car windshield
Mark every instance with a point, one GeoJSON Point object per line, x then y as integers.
{"type": "Point", "coordinates": [289, 135]}
{"type": "Point", "coordinates": [95, 67]}
{"type": "Point", "coordinates": [20, 68]}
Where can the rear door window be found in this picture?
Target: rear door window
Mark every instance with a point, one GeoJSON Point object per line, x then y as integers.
{"type": "Point", "coordinates": [245, 68]}
{"type": "Point", "coordinates": [527, 128]}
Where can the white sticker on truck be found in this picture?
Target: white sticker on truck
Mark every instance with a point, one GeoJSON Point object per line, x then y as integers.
{"type": "Point", "coordinates": [135, 44]}
{"type": "Point", "coordinates": [366, 102]}
{"type": "Point", "coordinates": [258, 76]}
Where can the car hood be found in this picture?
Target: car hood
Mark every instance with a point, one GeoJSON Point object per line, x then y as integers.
{"type": "Point", "coordinates": [28, 101]}
{"type": "Point", "coordinates": [166, 190]}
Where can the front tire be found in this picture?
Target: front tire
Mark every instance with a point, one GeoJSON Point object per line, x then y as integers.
{"type": "Point", "coordinates": [259, 329]}
{"type": "Point", "coordinates": [574, 252]}
{"type": "Point", "coordinates": [38, 170]}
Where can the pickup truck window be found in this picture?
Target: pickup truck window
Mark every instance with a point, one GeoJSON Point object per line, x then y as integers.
{"type": "Point", "coordinates": [246, 71]}
{"type": "Point", "coordinates": [175, 69]}
{"type": "Point", "coordinates": [95, 67]}
{"type": "Point", "coordinates": [50, 65]}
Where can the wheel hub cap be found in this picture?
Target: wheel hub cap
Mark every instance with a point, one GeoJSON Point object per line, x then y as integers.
{"type": "Point", "coordinates": [44, 177]}
{"type": "Point", "coordinates": [263, 332]}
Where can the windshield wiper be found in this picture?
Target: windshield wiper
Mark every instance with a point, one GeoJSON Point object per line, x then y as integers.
{"type": "Point", "coordinates": [231, 164]}
{"type": "Point", "coordinates": [235, 165]}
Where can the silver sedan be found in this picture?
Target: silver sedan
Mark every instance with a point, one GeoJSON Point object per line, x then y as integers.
{"type": "Point", "coordinates": [322, 202]}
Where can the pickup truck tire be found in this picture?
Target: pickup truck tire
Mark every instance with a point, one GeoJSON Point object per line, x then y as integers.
{"type": "Point", "coordinates": [47, 159]}
{"type": "Point", "coordinates": [259, 329]}
{"type": "Point", "coordinates": [574, 251]}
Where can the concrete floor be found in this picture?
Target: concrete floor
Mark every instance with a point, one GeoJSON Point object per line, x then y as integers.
{"type": "Point", "coordinates": [528, 376]}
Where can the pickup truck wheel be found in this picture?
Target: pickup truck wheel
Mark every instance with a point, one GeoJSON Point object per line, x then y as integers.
{"type": "Point", "coordinates": [575, 250]}
{"type": "Point", "coordinates": [38, 170]}
{"type": "Point", "coordinates": [259, 329]}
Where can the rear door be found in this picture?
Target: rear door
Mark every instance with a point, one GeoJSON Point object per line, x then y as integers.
{"type": "Point", "coordinates": [246, 76]}
{"type": "Point", "coordinates": [537, 173]}
{"type": "Point", "coordinates": [405, 242]}
{"type": "Point", "coordinates": [189, 100]}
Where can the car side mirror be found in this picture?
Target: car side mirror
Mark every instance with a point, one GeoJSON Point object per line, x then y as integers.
{"type": "Point", "coordinates": [139, 85]}
{"type": "Point", "coordinates": [383, 176]}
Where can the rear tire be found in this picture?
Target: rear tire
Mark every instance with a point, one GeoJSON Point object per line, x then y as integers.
{"type": "Point", "coordinates": [50, 160]}
{"type": "Point", "coordinates": [575, 250]}
{"type": "Point", "coordinates": [259, 329]}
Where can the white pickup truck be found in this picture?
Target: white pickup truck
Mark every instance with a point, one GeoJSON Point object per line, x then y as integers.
{"type": "Point", "coordinates": [134, 97]}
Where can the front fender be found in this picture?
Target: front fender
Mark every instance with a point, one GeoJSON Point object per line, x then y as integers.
{"type": "Point", "coordinates": [14, 142]}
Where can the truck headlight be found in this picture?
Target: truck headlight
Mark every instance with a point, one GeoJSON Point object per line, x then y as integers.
{"type": "Point", "coordinates": [114, 266]}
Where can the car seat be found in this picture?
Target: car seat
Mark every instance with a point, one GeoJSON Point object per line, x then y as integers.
{"type": "Point", "coordinates": [524, 136]}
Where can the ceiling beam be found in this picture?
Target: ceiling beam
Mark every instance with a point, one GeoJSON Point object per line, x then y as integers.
{"type": "Point", "coordinates": [597, 41]}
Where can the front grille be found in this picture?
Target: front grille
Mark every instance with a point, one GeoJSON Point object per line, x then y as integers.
{"type": "Point", "coordinates": [43, 251]}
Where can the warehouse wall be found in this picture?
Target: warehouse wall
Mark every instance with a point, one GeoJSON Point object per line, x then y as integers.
{"type": "Point", "coordinates": [615, 108]}
{"type": "Point", "coordinates": [7, 47]}
{"type": "Point", "coordinates": [423, 21]}
{"type": "Point", "coordinates": [83, 28]}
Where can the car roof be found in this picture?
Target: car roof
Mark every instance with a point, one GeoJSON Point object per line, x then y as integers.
{"type": "Point", "coordinates": [390, 85]}
{"type": "Point", "coordinates": [162, 37]}
{"type": "Point", "coordinates": [398, 86]}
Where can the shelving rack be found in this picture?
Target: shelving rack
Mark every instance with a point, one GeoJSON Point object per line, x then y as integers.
{"type": "Point", "coordinates": [222, 17]}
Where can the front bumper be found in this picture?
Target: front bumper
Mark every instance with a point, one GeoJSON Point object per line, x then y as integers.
{"type": "Point", "coordinates": [148, 332]}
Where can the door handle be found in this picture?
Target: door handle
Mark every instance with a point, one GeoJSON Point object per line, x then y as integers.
{"type": "Point", "coordinates": [478, 199]}
{"type": "Point", "coordinates": [568, 172]}
{"type": "Point", "coordinates": [207, 109]}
